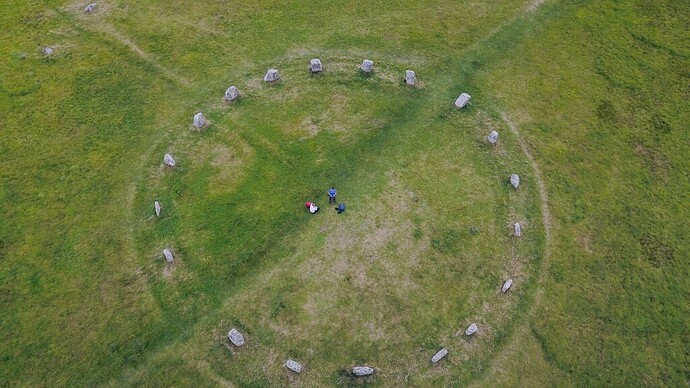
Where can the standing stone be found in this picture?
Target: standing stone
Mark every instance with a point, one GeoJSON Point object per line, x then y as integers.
{"type": "Point", "coordinates": [493, 137]}
{"type": "Point", "coordinates": [439, 355]}
{"type": "Point", "coordinates": [515, 180]}
{"type": "Point", "coordinates": [367, 66]}
{"type": "Point", "coordinates": [47, 51]}
{"type": "Point", "coordinates": [231, 94]}
{"type": "Point", "coordinates": [199, 120]}
{"type": "Point", "coordinates": [517, 230]}
{"type": "Point", "coordinates": [168, 255]}
{"type": "Point", "coordinates": [235, 337]}
{"type": "Point", "coordinates": [272, 75]}
{"type": "Point", "coordinates": [462, 100]}
{"type": "Point", "coordinates": [506, 286]}
{"type": "Point", "coordinates": [362, 371]}
{"type": "Point", "coordinates": [410, 77]}
{"type": "Point", "coordinates": [90, 8]}
{"type": "Point", "coordinates": [293, 366]}
{"type": "Point", "coordinates": [169, 160]}
{"type": "Point", "coordinates": [157, 208]}
{"type": "Point", "coordinates": [472, 329]}
{"type": "Point", "coordinates": [315, 65]}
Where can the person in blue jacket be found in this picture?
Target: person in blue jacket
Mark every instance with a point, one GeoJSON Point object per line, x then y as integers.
{"type": "Point", "coordinates": [331, 195]}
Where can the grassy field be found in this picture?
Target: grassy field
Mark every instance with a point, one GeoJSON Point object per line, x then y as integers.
{"type": "Point", "coordinates": [589, 98]}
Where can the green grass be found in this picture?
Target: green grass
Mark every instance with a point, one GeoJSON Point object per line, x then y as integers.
{"type": "Point", "coordinates": [598, 90]}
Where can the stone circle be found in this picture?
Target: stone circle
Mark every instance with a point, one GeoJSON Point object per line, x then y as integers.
{"type": "Point", "coordinates": [462, 100]}
{"type": "Point", "coordinates": [168, 255]}
{"type": "Point", "coordinates": [272, 76]}
{"type": "Point", "coordinates": [315, 65]}
{"type": "Point", "coordinates": [410, 77]}
{"type": "Point", "coordinates": [293, 366]}
{"type": "Point", "coordinates": [367, 66]}
{"type": "Point", "coordinates": [231, 94]}
{"type": "Point", "coordinates": [169, 160]}
{"type": "Point", "coordinates": [439, 355]}
{"type": "Point", "coordinates": [235, 337]}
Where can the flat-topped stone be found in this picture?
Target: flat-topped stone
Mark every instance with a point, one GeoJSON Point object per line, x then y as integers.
{"type": "Point", "coordinates": [517, 230]}
{"type": "Point", "coordinates": [272, 75]}
{"type": "Point", "coordinates": [315, 65]}
{"type": "Point", "coordinates": [462, 100]}
{"type": "Point", "coordinates": [90, 8]}
{"type": "Point", "coordinates": [231, 94]}
{"type": "Point", "coordinates": [169, 160]}
{"type": "Point", "coordinates": [157, 208]}
{"type": "Point", "coordinates": [506, 285]}
{"type": "Point", "coordinates": [515, 180]}
{"type": "Point", "coordinates": [472, 329]}
{"type": "Point", "coordinates": [439, 355]}
{"type": "Point", "coordinates": [235, 337]}
{"type": "Point", "coordinates": [410, 77]}
{"type": "Point", "coordinates": [293, 366]}
{"type": "Point", "coordinates": [362, 371]}
{"type": "Point", "coordinates": [367, 66]}
{"type": "Point", "coordinates": [167, 253]}
{"type": "Point", "coordinates": [493, 137]}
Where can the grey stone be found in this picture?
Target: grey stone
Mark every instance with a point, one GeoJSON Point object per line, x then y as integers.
{"type": "Point", "coordinates": [168, 255]}
{"type": "Point", "coordinates": [362, 371]}
{"type": "Point", "coordinates": [439, 355]}
{"type": "Point", "coordinates": [462, 100]}
{"type": "Point", "coordinates": [472, 329]}
{"type": "Point", "coordinates": [199, 120]}
{"type": "Point", "coordinates": [515, 180]}
{"type": "Point", "coordinates": [90, 8]}
{"type": "Point", "coordinates": [169, 160]}
{"type": "Point", "coordinates": [231, 94]}
{"type": "Point", "coordinates": [493, 137]}
{"type": "Point", "coordinates": [272, 75]}
{"type": "Point", "coordinates": [293, 366]}
{"type": "Point", "coordinates": [517, 230]}
{"type": "Point", "coordinates": [48, 51]}
{"type": "Point", "coordinates": [410, 77]}
{"type": "Point", "coordinates": [367, 66]}
{"type": "Point", "coordinates": [315, 65]}
{"type": "Point", "coordinates": [506, 286]}
{"type": "Point", "coordinates": [157, 208]}
{"type": "Point", "coordinates": [235, 337]}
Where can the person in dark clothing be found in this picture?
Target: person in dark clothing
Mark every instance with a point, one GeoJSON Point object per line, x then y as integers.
{"type": "Point", "coordinates": [340, 208]}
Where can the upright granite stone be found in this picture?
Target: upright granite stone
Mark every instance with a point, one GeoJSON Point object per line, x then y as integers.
{"type": "Point", "coordinates": [48, 51]}
{"type": "Point", "coordinates": [493, 137]}
{"type": "Point", "coordinates": [506, 285]}
{"type": "Point", "coordinates": [515, 180]}
{"type": "Point", "coordinates": [272, 75]}
{"type": "Point", "coordinates": [199, 120]}
{"type": "Point", "coordinates": [157, 208]}
{"type": "Point", "coordinates": [293, 366]}
{"type": "Point", "coordinates": [410, 77]}
{"type": "Point", "coordinates": [439, 355]}
{"type": "Point", "coordinates": [362, 371]}
{"type": "Point", "coordinates": [315, 65]}
{"type": "Point", "coordinates": [90, 8]}
{"type": "Point", "coordinates": [235, 337]}
{"type": "Point", "coordinates": [462, 100]}
{"type": "Point", "coordinates": [472, 329]}
{"type": "Point", "coordinates": [169, 160]}
{"type": "Point", "coordinates": [167, 253]}
{"type": "Point", "coordinates": [517, 230]}
{"type": "Point", "coordinates": [367, 66]}
{"type": "Point", "coordinates": [231, 94]}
